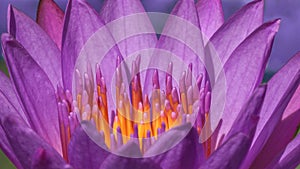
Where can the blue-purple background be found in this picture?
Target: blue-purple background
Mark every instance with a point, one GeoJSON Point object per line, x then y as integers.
{"type": "Point", "coordinates": [287, 41]}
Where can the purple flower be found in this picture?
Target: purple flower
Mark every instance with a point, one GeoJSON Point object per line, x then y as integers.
{"type": "Point", "coordinates": [58, 111]}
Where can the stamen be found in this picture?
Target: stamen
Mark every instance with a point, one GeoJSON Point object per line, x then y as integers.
{"type": "Point", "coordinates": [136, 116]}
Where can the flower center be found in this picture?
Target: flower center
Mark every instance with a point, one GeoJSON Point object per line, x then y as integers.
{"type": "Point", "coordinates": [136, 115]}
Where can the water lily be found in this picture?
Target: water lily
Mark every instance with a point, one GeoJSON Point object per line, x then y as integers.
{"type": "Point", "coordinates": [58, 109]}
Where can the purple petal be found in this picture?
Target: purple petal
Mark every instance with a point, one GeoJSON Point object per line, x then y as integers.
{"type": "Point", "coordinates": [210, 15]}
{"type": "Point", "coordinates": [85, 41]}
{"type": "Point", "coordinates": [48, 160]}
{"type": "Point", "coordinates": [291, 155]}
{"type": "Point", "coordinates": [188, 153]}
{"type": "Point", "coordinates": [277, 98]}
{"type": "Point", "coordinates": [230, 154]}
{"type": "Point", "coordinates": [26, 142]}
{"type": "Point", "coordinates": [50, 17]}
{"type": "Point", "coordinates": [81, 22]}
{"type": "Point", "coordinates": [7, 109]}
{"type": "Point", "coordinates": [237, 28]}
{"type": "Point", "coordinates": [248, 117]}
{"type": "Point", "coordinates": [6, 89]}
{"type": "Point", "coordinates": [244, 71]}
{"type": "Point", "coordinates": [34, 90]}
{"type": "Point", "coordinates": [180, 42]}
{"type": "Point", "coordinates": [293, 105]}
{"type": "Point", "coordinates": [86, 148]}
{"type": "Point", "coordinates": [119, 162]}
{"type": "Point", "coordinates": [136, 30]}
{"type": "Point", "coordinates": [38, 44]}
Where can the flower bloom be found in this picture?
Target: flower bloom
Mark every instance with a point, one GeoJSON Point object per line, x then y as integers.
{"type": "Point", "coordinates": [56, 114]}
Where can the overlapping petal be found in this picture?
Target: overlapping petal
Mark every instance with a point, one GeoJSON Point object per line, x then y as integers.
{"type": "Point", "coordinates": [210, 15]}
{"type": "Point", "coordinates": [48, 160]}
{"type": "Point", "coordinates": [131, 148]}
{"type": "Point", "coordinates": [129, 24]}
{"type": "Point", "coordinates": [248, 117]}
{"type": "Point", "coordinates": [277, 98]}
{"type": "Point", "coordinates": [230, 154]}
{"type": "Point", "coordinates": [83, 23]}
{"type": "Point", "coordinates": [244, 71]}
{"type": "Point", "coordinates": [291, 156]}
{"type": "Point", "coordinates": [6, 89]}
{"type": "Point", "coordinates": [34, 89]}
{"type": "Point", "coordinates": [87, 148]}
{"type": "Point", "coordinates": [6, 110]}
{"type": "Point", "coordinates": [237, 28]}
{"type": "Point", "coordinates": [38, 44]}
{"type": "Point", "coordinates": [50, 18]}
{"type": "Point", "coordinates": [25, 143]}
{"type": "Point", "coordinates": [180, 42]}
{"type": "Point", "coordinates": [179, 155]}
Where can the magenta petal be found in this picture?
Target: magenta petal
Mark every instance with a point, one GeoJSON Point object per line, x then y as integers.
{"type": "Point", "coordinates": [86, 149]}
{"type": "Point", "coordinates": [25, 142]}
{"type": "Point", "coordinates": [277, 98]}
{"type": "Point", "coordinates": [38, 44]}
{"type": "Point", "coordinates": [248, 117]}
{"type": "Point", "coordinates": [244, 71]}
{"type": "Point", "coordinates": [34, 90]}
{"type": "Point", "coordinates": [293, 105]}
{"type": "Point", "coordinates": [130, 17]}
{"type": "Point", "coordinates": [120, 162]}
{"type": "Point", "coordinates": [237, 28]}
{"type": "Point", "coordinates": [188, 153]}
{"type": "Point", "coordinates": [50, 17]}
{"type": "Point", "coordinates": [230, 154]}
{"type": "Point", "coordinates": [210, 15]}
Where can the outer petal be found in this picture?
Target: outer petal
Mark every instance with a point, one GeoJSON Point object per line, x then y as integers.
{"type": "Point", "coordinates": [38, 44]}
{"type": "Point", "coordinates": [230, 154]}
{"type": "Point", "coordinates": [188, 153]}
{"type": "Point", "coordinates": [138, 31]}
{"type": "Point", "coordinates": [210, 15]}
{"type": "Point", "coordinates": [237, 28]}
{"type": "Point", "coordinates": [50, 17]}
{"type": "Point", "coordinates": [7, 109]}
{"type": "Point", "coordinates": [244, 71]}
{"type": "Point", "coordinates": [277, 97]}
{"type": "Point", "coordinates": [247, 119]}
{"type": "Point", "coordinates": [291, 156]}
{"type": "Point", "coordinates": [6, 89]}
{"type": "Point", "coordinates": [34, 89]}
{"type": "Point", "coordinates": [86, 148]}
{"type": "Point", "coordinates": [117, 162]}
{"type": "Point", "coordinates": [26, 142]}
